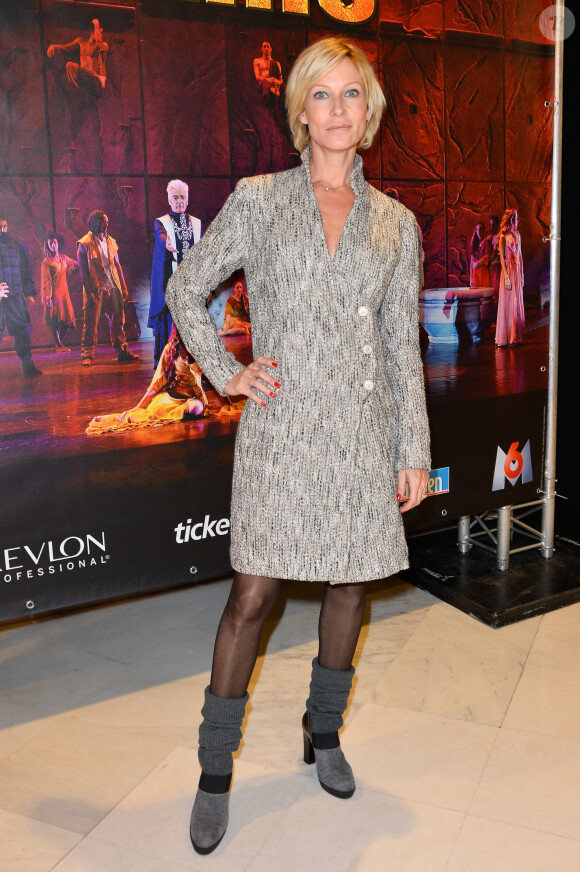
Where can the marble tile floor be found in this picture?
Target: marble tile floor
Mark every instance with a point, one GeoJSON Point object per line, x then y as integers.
{"type": "Point", "coordinates": [465, 741]}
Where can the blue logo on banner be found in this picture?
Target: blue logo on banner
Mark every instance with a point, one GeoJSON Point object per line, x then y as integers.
{"type": "Point", "coordinates": [437, 483]}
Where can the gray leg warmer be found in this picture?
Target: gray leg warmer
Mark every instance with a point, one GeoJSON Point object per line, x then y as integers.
{"type": "Point", "coordinates": [329, 692]}
{"type": "Point", "coordinates": [220, 732]}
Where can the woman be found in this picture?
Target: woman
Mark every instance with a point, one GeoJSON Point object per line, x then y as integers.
{"type": "Point", "coordinates": [336, 424]}
{"type": "Point", "coordinates": [478, 259]}
{"type": "Point", "coordinates": [237, 316]}
{"type": "Point", "coordinates": [59, 315]}
{"type": "Point", "coordinates": [175, 394]}
{"type": "Point", "coordinates": [511, 316]}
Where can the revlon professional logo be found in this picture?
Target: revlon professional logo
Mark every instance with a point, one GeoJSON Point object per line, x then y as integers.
{"type": "Point", "coordinates": [437, 483]}
{"type": "Point", "coordinates": [512, 465]}
{"type": "Point", "coordinates": [201, 530]}
{"type": "Point", "coordinates": [49, 558]}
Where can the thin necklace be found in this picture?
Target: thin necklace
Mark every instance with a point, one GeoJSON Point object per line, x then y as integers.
{"type": "Point", "coordinates": [338, 187]}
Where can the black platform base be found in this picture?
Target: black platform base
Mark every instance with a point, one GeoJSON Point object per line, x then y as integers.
{"type": "Point", "coordinates": [471, 583]}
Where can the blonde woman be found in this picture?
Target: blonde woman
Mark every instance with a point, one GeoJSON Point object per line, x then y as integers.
{"type": "Point", "coordinates": [336, 427]}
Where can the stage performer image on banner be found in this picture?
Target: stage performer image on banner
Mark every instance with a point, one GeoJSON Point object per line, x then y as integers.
{"type": "Point", "coordinates": [511, 316]}
{"type": "Point", "coordinates": [492, 249]}
{"type": "Point", "coordinates": [59, 315]}
{"type": "Point", "coordinates": [268, 73]}
{"type": "Point", "coordinates": [89, 73]}
{"type": "Point", "coordinates": [478, 258]}
{"type": "Point", "coordinates": [175, 233]}
{"type": "Point", "coordinates": [17, 294]}
{"type": "Point", "coordinates": [335, 426]}
{"type": "Point", "coordinates": [82, 81]}
{"type": "Point", "coordinates": [175, 394]}
{"type": "Point", "coordinates": [103, 286]}
{"type": "Point", "coordinates": [237, 313]}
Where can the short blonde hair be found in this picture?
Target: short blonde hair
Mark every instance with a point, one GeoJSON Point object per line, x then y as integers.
{"type": "Point", "coordinates": [313, 64]}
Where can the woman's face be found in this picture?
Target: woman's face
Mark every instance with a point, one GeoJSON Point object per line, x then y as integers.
{"type": "Point", "coordinates": [238, 289]}
{"type": "Point", "coordinates": [53, 245]}
{"type": "Point", "coordinates": [335, 108]}
{"type": "Point", "coordinates": [480, 230]}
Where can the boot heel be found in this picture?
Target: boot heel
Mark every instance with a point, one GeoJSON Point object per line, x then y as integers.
{"type": "Point", "coordinates": [308, 747]}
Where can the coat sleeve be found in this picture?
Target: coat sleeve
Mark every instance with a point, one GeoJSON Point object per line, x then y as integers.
{"type": "Point", "coordinates": [222, 250]}
{"type": "Point", "coordinates": [399, 329]}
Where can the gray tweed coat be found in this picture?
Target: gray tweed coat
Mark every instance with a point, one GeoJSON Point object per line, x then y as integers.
{"type": "Point", "coordinates": [314, 484]}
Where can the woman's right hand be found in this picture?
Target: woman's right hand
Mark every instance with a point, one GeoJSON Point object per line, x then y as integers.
{"type": "Point", "coordinates": [508, 284]}
{"type": "Point", "coordinates": [249, 380]}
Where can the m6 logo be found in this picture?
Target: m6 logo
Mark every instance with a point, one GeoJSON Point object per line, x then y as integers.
{"type": "Point", "coordinates": [512, 465]}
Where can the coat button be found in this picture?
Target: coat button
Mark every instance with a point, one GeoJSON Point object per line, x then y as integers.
{"type": "Point", "coordinates": [366, 349]}
{"type": "Point", "coordinates": [368, 385]}
{"type": "Point", "coordinates": [363, 311]}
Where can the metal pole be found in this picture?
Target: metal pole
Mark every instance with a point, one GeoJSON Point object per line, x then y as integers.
{"type": "Point", "coordinates": [504, 523]}
{"type": "Point", "coordinates": [549, 489]}
{"type": "Point", "coordinates": [463, 530]}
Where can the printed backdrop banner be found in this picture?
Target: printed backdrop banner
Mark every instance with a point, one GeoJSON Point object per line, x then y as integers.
{"type": "Point", "coordinates": [115, 462]}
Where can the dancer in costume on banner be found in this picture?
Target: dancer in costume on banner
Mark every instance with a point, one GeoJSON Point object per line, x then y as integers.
{"type": "Point", "coordinates": [103, 286]}
{"type": "Point", "coordinates": [335, 427]}
{"type": "Point", "coordinates": [59, 315]}
{"type": "Point", "coordinates": [511, 318]}
{"type": "Point", "coordinates": [175, 233]}
{"type": "Point", "coordinates": [175, 394]}
{"type": "Point", "coordinates": [268, 73]}
{"type": "Point", "coordinates": [237, 313]}
{"type": "Point", "coordinates": [89, 74]}
{"type": "Point", "coordinates": [81, 81]}
{"type": "Point", "coordinates": [478, 258]}
{"type": "Point", "coordinates": [17, 293]}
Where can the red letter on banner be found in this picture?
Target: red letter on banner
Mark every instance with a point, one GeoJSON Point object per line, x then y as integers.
{"type": "Point", "coordinates": [359, 11]}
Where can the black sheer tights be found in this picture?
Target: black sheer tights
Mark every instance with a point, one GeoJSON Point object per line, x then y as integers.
{"type": "Point", "coordinates": [341, 617]}
{"type": "Point", "coordinates": [249, 604]}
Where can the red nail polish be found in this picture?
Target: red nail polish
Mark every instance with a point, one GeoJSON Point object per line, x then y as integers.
{"type": "Point", "coordinates": [276, 385]}
{"type": "Point", "coordinates": [263, 404]}
{"type": "Point", "coordinates": [272, 394]}
{"type": "Point", "coordinates": [274, 364]}
{"type": "Point", "coordinates": [398, 496]}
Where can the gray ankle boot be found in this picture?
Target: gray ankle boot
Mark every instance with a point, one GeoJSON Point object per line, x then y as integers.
{"type": "Point", "coordinates": [219, 736]}
{"type": "Point", "coordinates": [329, 692]}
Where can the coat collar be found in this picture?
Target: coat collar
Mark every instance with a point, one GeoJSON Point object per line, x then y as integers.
{"type": "Point", "coordinates": [357, 179]}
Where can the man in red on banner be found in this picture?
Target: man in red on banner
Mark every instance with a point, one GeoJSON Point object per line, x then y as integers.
{"type": "Point", "coordinates": [103, 286]}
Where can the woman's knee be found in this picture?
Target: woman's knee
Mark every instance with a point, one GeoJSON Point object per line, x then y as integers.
{"type": "Point", "coordinates": [251, 598]}
{"type": "Point", "coordinates": [348, 596]}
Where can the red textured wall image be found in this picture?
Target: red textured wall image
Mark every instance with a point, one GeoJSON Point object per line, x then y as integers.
{"type": "Point", "coordinates": [184, 89]}
{"type": "Point", "coordinates": [468, 117]}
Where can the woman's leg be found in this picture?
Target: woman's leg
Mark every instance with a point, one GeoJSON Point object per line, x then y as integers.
{"type": "Point", "coordinates": [239, 632]}
{"type": "Point", "coordinates": [234, 658]}
{"type": "Point", "coordinates": [341, 616]}
{"type": "Point", "coordinates": [339, 626]}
